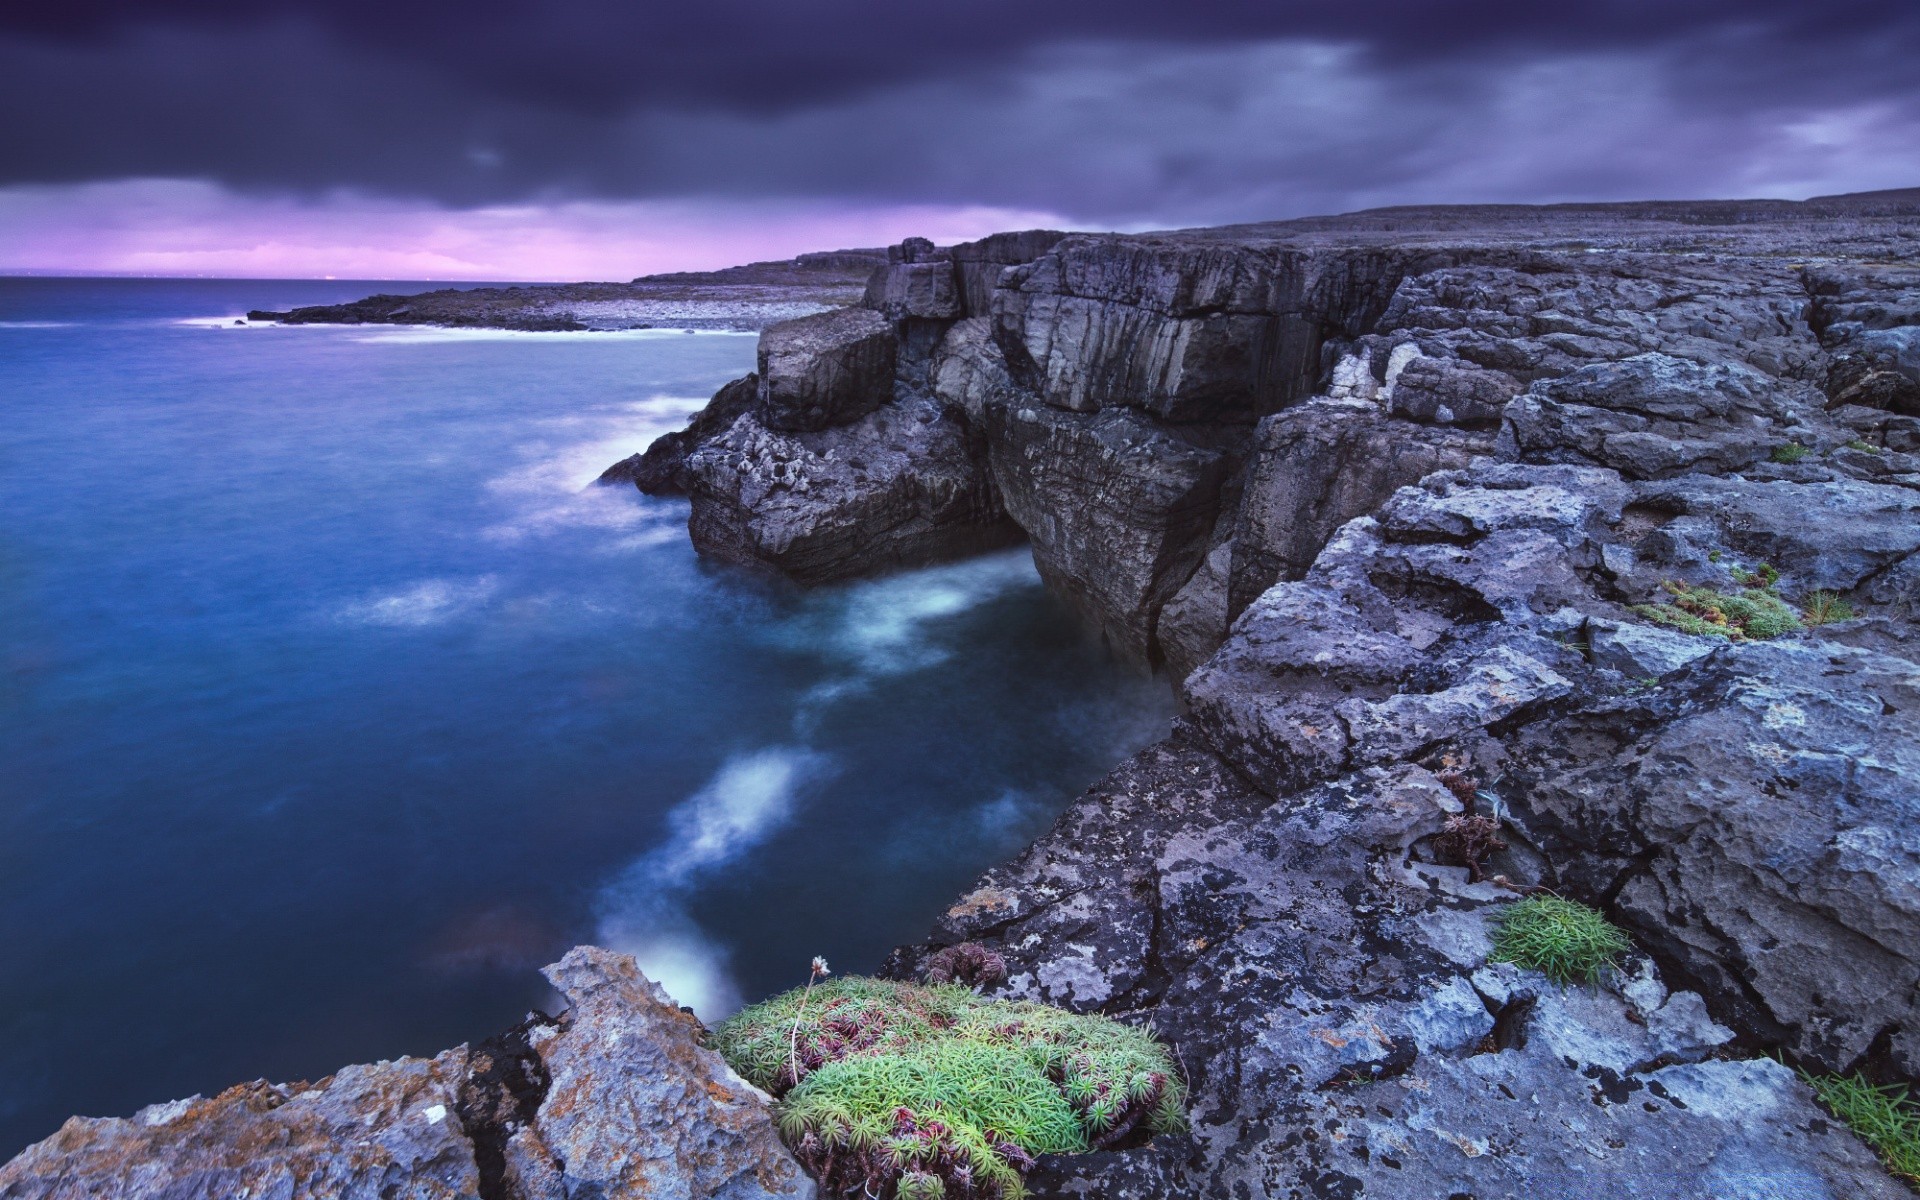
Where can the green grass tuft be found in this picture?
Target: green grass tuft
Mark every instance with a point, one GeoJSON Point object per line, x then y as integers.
{"type": "Point", "coordinates": [1754, 613]}
{"type": "Point", "coordinates": [1564, 940]}
{"type": "Point", "coordinates": [1883, 1117]}
{"type": "Point", "coordinates": [1790, 452]}
{"type": "Point", "coordinates": [1858, 444]}
{"type": "Point", "coordinates": [908, 1090]}
{"type": "Point", "coordinates": [1825, 608]}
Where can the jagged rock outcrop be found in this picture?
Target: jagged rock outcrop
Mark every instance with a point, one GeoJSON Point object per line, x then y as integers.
{"type": "Point", "coordinates": [636, 1106]}
{"type": "Point", "coordinates": [1328, 988]}
{"type": "Point", "coordinates": [1755, 823]}
{"type": "Point", "coordinates": [617, 1100]}
{"type": "Point", "coordinates": [904, 485]}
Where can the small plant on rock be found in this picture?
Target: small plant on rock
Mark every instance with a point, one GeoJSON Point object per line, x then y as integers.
{"type": "Point", "coordinates": [1752, 614]}
{"type": "Point", "coordinates": [1863, 446]}
{"type": "Point", "coordinates": [1883, 1117]}
{"type": "Point", "coordinates": [1790, 452]}
{"type": "Point", "coordinates": [969, 964]}
{"type": "Point", "coordinates": [1563, 939]}
{"type": "Point", "coordinates": [1825, 608]}
{"type": "Point", "coordinates": [893, 1090]}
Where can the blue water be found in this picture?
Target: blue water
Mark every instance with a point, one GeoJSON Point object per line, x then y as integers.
{"type": "Point", "coordinates": [333, 701]}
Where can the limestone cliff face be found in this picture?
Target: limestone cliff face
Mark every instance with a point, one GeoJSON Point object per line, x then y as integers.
{"type": "Point", "coordinates": [1163, 381]}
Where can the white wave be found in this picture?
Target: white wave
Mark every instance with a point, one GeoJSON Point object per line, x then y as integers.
{"type": "Point", "coordinates": [426, 602]}
{"type": "Point", "coordinates": [695, 970]}
{"type": "Point", "coordinates": [881, 627]}
{"type": "Point", "coordinates": [230, 321]}
{"type": "Point", "coordinates": [553, 489]}
{"type": "Point", "coordinates": [642, 911]}
{"type": "Point", "coordinates": [38, 324]}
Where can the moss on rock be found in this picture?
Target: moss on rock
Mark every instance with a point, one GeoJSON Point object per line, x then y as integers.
{"type": "Point", "coordinates": [891, 1088]}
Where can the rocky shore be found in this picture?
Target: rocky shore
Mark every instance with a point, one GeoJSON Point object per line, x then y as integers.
{"type": "Point", "coordinates": [749, 297]}
{"type": "Point", "coordinates": [1416, 508]}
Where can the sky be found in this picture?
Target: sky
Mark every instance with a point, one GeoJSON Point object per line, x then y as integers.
{"type": "Point", "coordinates": [602, 139]}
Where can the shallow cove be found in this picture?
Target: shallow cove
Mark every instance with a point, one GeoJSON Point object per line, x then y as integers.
{"type": "Point", "coordinates": [333, 703]}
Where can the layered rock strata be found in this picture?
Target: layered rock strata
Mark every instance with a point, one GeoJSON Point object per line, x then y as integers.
{"type": "Point", "coordinates": [1254, 388]}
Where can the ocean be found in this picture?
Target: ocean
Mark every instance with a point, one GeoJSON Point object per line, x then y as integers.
{"type": "Point", "coordinates": [335, 700]}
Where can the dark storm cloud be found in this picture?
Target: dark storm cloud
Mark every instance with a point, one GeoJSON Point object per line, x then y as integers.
{"type": "Point", "coordinates": [1119, 110]}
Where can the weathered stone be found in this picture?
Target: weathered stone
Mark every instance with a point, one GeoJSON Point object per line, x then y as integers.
{"type": "Point", "coordinates": [1318, 465]}
{"type": "Point", "coordinates": [905, 485]}
{"type": "Point", "coordinates": [1450, 391]}
{"type": "Point", "coordinates": [1117, 510]}
{"type": "Point", "coordinates": [1194, 623]}
{"type": "Point", "coordinates": [981, 263]}
{"type": "Point", "coordinates": [925, 290]}
{"type": "Point", "coordinates": [387, 1131]}
{"type": "Point", "coordinates": [637, 1108]}
{"type": "Point", "coordinates": [1757, 820]}
{"type": "Point", "coordinates": [826, 370]}
{"type": "Point", "coordinates": [1643, 652]}
{"type": "Point", "coordinates": [1328, 994]}
{"type": "Point", "coordinates": [661, 469]}
{"type": "Point", "coordinates": [1833, 536]}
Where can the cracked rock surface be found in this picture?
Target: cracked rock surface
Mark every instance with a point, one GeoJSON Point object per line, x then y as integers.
{"type": "Point", "coordinates": [616, 1100]}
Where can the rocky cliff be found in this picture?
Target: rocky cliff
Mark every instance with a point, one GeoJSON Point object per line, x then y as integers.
{"type": "Point", "coordinates": [1390, 497]}
{"type": "Point", "coordinates": [1416, 508]}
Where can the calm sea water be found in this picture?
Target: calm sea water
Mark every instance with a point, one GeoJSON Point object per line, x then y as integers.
{"type": "Point", "coordinates": [333, 702]}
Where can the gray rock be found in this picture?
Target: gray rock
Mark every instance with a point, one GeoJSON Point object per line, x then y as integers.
{"type": "Point", "coordinates": [619, 1101]}
{"type": "Point", "coordinates": [1118, 511]}
{"type": "Point", "coordinates": [1328, 994]}
{"type": "Point", "coordinates": [638, 1108]}
{"type": "Point", "coordinates": [1194, 623]}
{"type": "Point", "coordinates": [661, 470]}
{"type": "Point", "coordinates": [820, 371]}
{"type": "Point", "coordinates": [1653, 416]}
{"type": "Point", "coordinates": [1451, 391]}
{"type": "Point", "coordinates": [386, 1131]}
{"type": "Point", "coordinates": [1318, 465]}
{"type": "Point", "coordinates": [1641, 651]}
{"type": "Point", "coordinates": [927, 290]}
{"type": "Point", "coordinates": [982, 263]}
{"type": "Point", "coordinates": [905, 485]}
{"type": "Point", "coordinates": [1833, 536]}
{"type": "Point", "coordinates": [1761, 835]}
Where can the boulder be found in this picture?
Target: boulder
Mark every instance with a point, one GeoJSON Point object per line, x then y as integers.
{"type": "Point", "coordinates": [1450, 391]}
{"type": "Point", "coordinates": [904, 485]}
{"type": "Point", "coordinates": [383, 1131]}
{"type": "Point", "coordinates": [825, 370]}
{"type": "Point", "coordinates": [618, 1100]}
{"type": "Point", "coordinates": [921, 290]}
